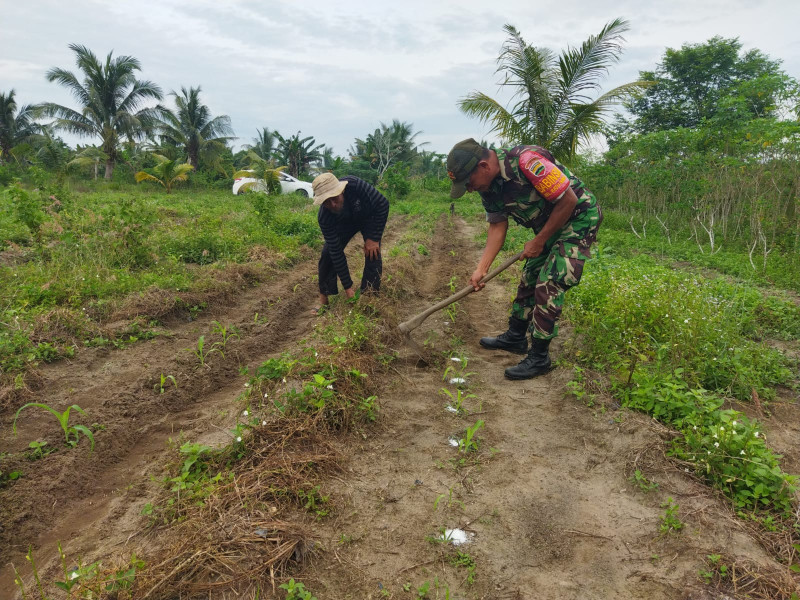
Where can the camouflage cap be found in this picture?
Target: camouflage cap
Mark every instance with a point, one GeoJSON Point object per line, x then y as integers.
{"type": "Point", "coordinates": [461, 161]}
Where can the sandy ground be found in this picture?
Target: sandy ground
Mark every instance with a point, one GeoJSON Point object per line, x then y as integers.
{"type": "Point", "coordinates": [545, 503]}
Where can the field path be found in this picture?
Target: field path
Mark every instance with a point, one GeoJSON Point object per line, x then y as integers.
{"type": "Point", "coordinates": [546, 504]}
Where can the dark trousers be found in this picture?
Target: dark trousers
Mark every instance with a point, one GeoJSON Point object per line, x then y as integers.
{"type": "Point", "coordinates": [373, 268]}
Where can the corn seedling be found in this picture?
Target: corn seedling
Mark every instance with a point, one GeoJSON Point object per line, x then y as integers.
{"type": "Point", "coordinates": [163, 380]}
{"type": "Point", "coordinates": [227, 333]}
{"type": "Point", "coordinates": [202, 353]}
{"type": "Point", "coordinates": [469, 443]}
{"type": "Point", "coordinates": [71, 432]}
{"type": "Point", "coordinates": [457, 399]}
{"type": "Point", "coordinates": [450, 500]}
{"type": "Point", "coordinates": [456, 372]}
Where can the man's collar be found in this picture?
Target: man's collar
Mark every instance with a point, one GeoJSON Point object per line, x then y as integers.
{"type": "Point", "coordinates": [501, 158]}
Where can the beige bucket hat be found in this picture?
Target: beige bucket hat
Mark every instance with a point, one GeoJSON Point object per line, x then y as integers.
{"type": "Point", "coordinates": [326, 186]}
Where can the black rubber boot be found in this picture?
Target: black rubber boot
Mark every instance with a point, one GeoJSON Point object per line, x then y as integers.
{"type": "Point", "coordinates": [514, 340]}
{"type": "Point", "coordinates": [536, 363]}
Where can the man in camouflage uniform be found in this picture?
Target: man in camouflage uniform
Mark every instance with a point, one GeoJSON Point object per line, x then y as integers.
{"type": "Point", "coordinates": [528, 184]}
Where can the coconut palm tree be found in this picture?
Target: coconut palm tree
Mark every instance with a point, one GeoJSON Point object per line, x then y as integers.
{"type": "Point", "coordinates": [16, 124]}
{"type": "Point", "coordinates": [264, 143]}
{"type": "Point", "coordinates": [90, 156]}
{"type": "Point", "coordinates": [265, 173]}
{"type": "Point", "coordinates": [553, 95]}
{"type": "Point", "coordinates": [167, 172]}
{"type": "Point", "coordinates": [111, 101]}
{"type": "Point", "coordinates": [387, 145]}
{"type": "Point", "coordinates": [298, 153]}
{"type": "Point", "coordinates": [193, 128]}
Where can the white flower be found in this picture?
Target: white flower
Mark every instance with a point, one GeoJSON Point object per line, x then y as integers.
{"type": "Point", "coordinates": [686, 320]}
{"type": "Point", "coordinates": [755, 434]}
{"type": "Point", "coordinates": [284, 380]}
{"type": "Point", "coordinates": [245, 413]}
{"type": "Point", "coordinates": [734, 423]}
{"type": "Point", "coordinates": [73, 575]}
{"type": "Point", "coordinates": [264, 423]}
{"type": "Point", "coordinates": [716, 444]}
{"type": "Point", "coordinates": [455, 359]}
{"type": "Point", "coordinates": [715, 436]}
{"type": "Point", "coordinates": [246, 385]}
{"type": "Point", "coordinates": [722, 429]}
{"type": "Point", "coordinates": [695, 427]}
{"type": "Point", "coordinates": [329, 386]}
{"type": "Point", "coordinates": [266, 395]}
{"type": "Point", "coordinates": [239, 438]}
{"type": "Point", "coordinates": [742, 452]}
{"type": "Point", "coordinates": [315, 354]}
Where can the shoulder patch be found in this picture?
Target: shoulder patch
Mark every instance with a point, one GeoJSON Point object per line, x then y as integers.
{"type": "Point", "coordinates": [546, 177]}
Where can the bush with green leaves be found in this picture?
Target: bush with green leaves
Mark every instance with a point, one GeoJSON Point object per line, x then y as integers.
{"type": "Point", "coordinates": [675, 344]}
{"type": "Point", "coordinates": [726, 448]}
{"type": "Point", "coordinates": [28, 208]}
{"type": "Point", "coordinates": [395, 181]}
{"type": "Point", "coordinates": [265, 207]}
{"type": "Point", "coordinates": [637, 314]}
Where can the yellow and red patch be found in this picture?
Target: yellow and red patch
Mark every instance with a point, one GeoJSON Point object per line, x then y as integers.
{"type": "Point", "coordinates": [546, 177]}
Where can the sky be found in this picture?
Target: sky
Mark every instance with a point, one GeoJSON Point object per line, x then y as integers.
{"type": "Point", "coordinates": [337, 70]}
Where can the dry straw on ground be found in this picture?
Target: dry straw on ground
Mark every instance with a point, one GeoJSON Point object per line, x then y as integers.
{"type": "Point", "coordinates": [250, 530]}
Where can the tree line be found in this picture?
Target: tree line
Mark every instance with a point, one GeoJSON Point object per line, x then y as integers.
{"type": "Point", "coordinates": [114, 108]}
{"type": "Point", "coordinates": [705, 144]}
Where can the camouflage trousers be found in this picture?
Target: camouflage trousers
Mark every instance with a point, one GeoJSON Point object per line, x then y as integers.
{"type": "Point", "coordinates": [547, 277]}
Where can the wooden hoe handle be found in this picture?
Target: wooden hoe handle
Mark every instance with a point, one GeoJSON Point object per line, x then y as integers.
{"type": "Point", "coordinates": [417, 321]}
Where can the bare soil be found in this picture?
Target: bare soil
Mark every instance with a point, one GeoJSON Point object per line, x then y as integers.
{"type": "Point", "coordinates": [547, 502]}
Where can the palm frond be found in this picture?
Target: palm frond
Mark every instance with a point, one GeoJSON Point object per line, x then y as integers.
{"type": "Point", "coordinates": [581, 69]}
{"type": "Point", "coordinates": [490, 111]}
{"type": "Point", "coordinates": [144, 176]}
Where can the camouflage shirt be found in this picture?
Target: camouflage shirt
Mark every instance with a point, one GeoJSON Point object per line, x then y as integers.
{"type": "Point", "coordinates": [530, 183]}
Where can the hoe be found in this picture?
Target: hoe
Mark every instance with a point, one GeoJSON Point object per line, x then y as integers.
{"type": "Point", "coordinates": [415, 322]}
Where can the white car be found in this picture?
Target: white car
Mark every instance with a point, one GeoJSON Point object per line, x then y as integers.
{"type": "Point", "coordinates": [289, 185]}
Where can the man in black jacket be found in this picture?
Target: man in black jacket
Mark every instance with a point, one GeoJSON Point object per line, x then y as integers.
{"type": "Point", "coordinates": [348, 206]}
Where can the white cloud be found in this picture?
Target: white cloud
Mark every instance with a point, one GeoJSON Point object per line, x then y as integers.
{"type": "Point", "coordinates": [336, 70]}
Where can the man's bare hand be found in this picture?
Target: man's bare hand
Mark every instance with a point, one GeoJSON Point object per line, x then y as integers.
{"type": "Point", "coordinates": [533, 248]}
{"type": "Point", "coordinates": [350, 292]}
{"type": "Point", "coordinates": [372, 249]}
{"type": "Point", "coordinates": [474, 281]}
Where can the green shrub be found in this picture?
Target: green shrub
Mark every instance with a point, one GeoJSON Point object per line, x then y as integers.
{"type": "Point", "coordinates": [725, 446]}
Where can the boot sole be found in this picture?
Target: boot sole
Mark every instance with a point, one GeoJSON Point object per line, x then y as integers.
{"type": "Point", "coordinates": [539, 374]}
{"type": "Point", "coordinates": [512, 351]}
